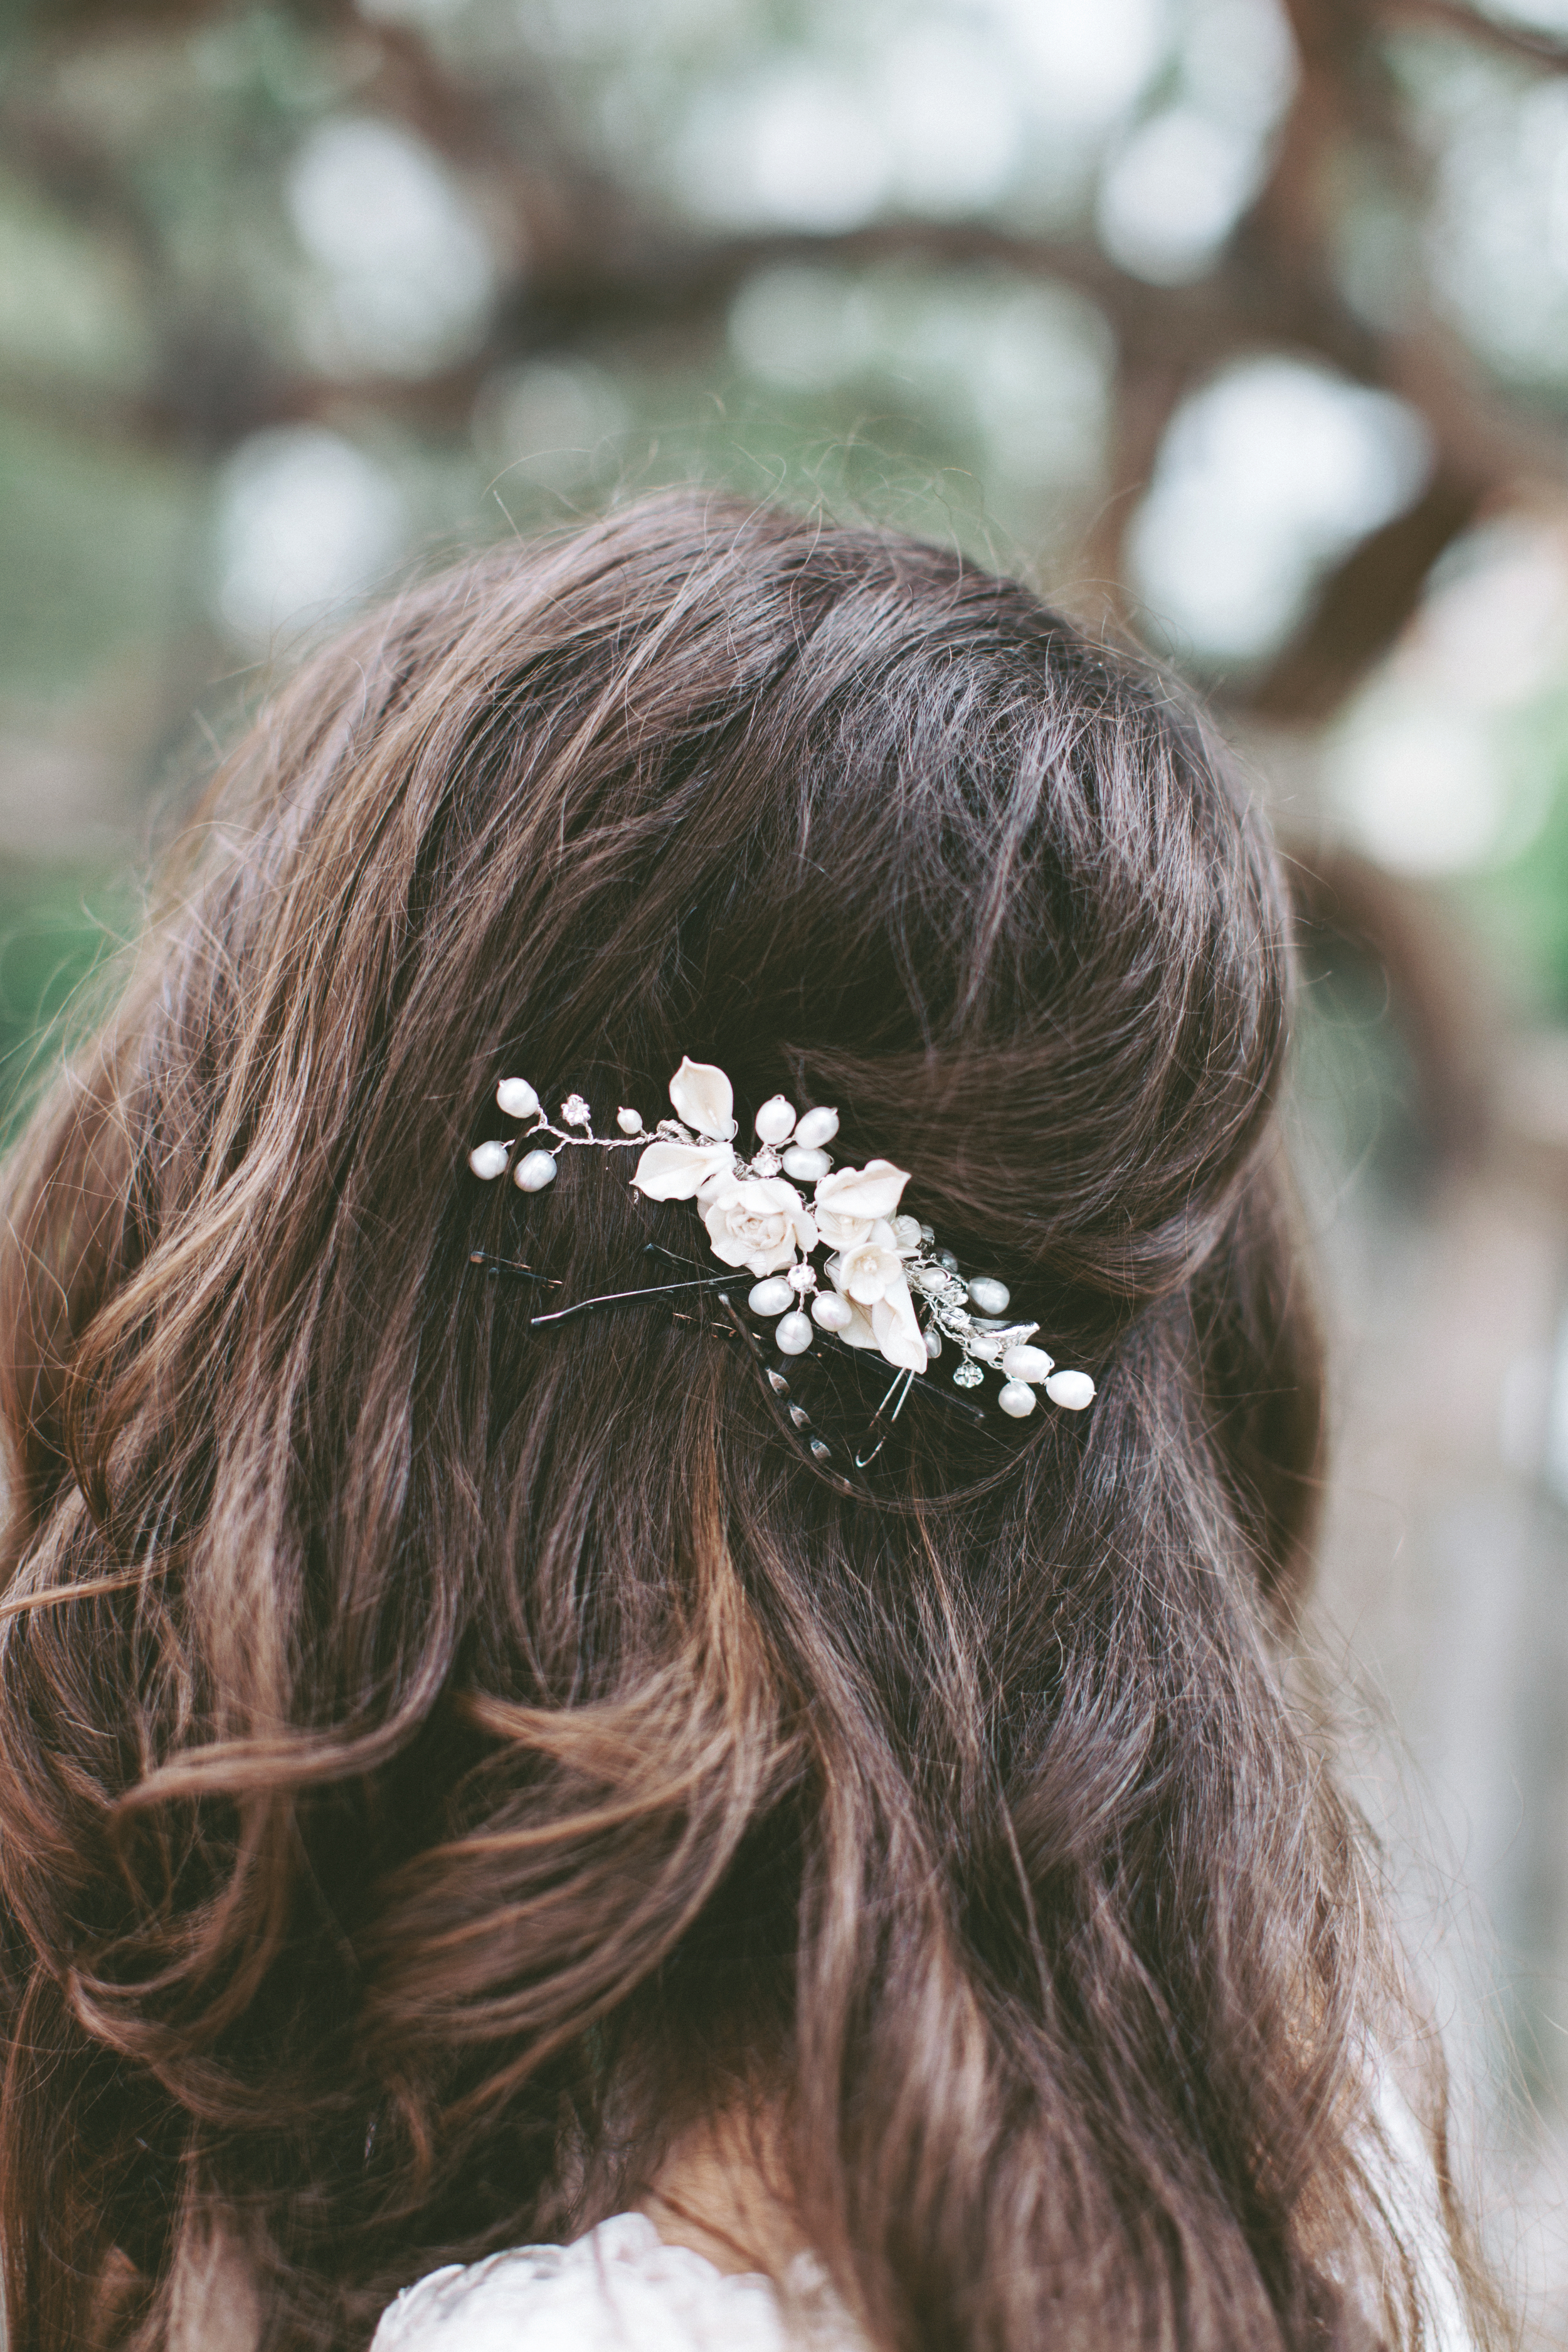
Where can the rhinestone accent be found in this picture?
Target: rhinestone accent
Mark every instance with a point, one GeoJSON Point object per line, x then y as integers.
{"type": "Point", "coordinates": [968, 1375]}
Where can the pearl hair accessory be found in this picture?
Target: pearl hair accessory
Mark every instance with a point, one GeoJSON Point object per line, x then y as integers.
{"type": "Point", "coordinates": [882, 1283]}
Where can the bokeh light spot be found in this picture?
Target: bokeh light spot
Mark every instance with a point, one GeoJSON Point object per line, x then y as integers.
{"type": "Point", "coordinates": [306, 522]}
{"type": "Point", "coordinates": [1265, 476]}
{"type": "Point", "coordinates": [799, 148]}
{"type": "Point", "coordinates": [554, 421]}
{"type": "Point", "coordinates": [1175, 191]}
{"type": "Point", "coordinates": [409, 277]}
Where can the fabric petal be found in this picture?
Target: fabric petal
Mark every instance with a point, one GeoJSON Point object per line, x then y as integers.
{"type": "Point", "coordinates": [866, 1192]}
{"type": "Point", "coordinates": [837, 1231]}
{"type": "Point", "coordinates": [858, 1331]}
{"type": "Point", "coordinates": [780, 1194]}
{"type": "Point", "coordinates": [899, 1334]}
{"type": "Point", "coordinates": [672, 1171]}
{"type": "Point", "coordinates": [704, 1099]}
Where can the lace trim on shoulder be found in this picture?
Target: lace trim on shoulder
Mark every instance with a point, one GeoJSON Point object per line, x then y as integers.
{"type": "Point", "coordinates": [620, 2285]}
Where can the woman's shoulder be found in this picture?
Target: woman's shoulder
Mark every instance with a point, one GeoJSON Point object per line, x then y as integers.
{"type": "Point", "coordinates": [619, 2286]}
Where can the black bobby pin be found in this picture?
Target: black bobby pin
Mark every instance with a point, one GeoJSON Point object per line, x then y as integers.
{"type": "Point", "coordinates": [511, 1265]}
{"type": "Point", "coordinates": [617, 1298]}
{"type": "Point", "coordinates": [605, 1298]}
{"type": "Point", "coordinates": [790, 1415]}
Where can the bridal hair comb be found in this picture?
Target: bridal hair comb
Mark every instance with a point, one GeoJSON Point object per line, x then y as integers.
{"type": "Point", "coordinates": [882, 1284]}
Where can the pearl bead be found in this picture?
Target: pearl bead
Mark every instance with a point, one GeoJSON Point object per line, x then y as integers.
{"type": "Point", "coordinates": [934, 1346]}
{"type": "Point", "coordinates": [986, 1346]}
{"type": "Point", "coordinates": [517, 1098]}
{"type": "Point", "coordinates": [907, 1232]}
{"type": "Point", "coordinates": [833, 1313]}
{"type": "Point", "coordinates": [630, 1121]}
{"type": "Point", "coordinates": [489, 1160]}
{"type": "Point", "coordinates": [988, 1295]}
{"type": "Point", "coordinates": [771, 1296]}
{"type": "Point", "coordinates": [792, 1333]}
{"type": "Point", "coordinates": [1016, 1398]}
{"type": "Point", "coordinates": [1025, 1363]}
{"type": "Point", "coordinates": [805, 1165]}
{"type": "Point", "coordinates": [535, 1171]}
{"type": "Point", "coordinates": [816, 1127]}
{"type": "Point", "coordinates": [945, 1258]}
{"type": "Point", "coordinates": [775, 1120]}
{"type": "Point", "coordinates": [1071, 1390]}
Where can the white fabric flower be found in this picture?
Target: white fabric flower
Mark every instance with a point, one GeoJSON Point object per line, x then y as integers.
{"type": "Point", "coordinates": [891, 1327]}
{"type": "Point", "coordinates": [672, 1171]}
{"type": "Point", "coordinates": [871, 1278]}
{"type": "Point", "coordinates": [849, 1202]}
{"type": "Point", "coordinates": [758, 1221]}
{"type": "Point", "coordinates": [868, 1270]}
{"type": "Point", "coordinates": [704, 1099]}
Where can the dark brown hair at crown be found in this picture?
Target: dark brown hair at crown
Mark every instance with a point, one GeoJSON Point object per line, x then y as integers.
{"type": "Point", "coordinates": [440, 1761]}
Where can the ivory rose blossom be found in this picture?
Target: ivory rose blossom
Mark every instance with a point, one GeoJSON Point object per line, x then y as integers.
{"type": "Point", "coordinates": [849, 1202]}
{"type": "Point", "coordinates": [758, 1221]}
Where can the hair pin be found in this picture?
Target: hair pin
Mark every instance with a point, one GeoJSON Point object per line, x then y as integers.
{"type": "Point", "coordinates": [882, 1283]}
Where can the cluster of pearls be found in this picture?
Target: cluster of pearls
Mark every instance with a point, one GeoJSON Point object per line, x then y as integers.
{"type": "Point", "coordinates": [793, 1143]}
{"type": "Point", "coordinates": [971, 1315]}
{"type": "Point", "coordinates": [532, 1170]}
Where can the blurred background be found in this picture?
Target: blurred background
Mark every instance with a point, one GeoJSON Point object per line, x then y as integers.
{"type": "Point", "coordinates": [1240, 325]}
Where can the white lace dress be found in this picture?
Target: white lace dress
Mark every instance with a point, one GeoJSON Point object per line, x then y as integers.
{"type": "Point", "coordinates": [619, 2289]}
{"type": "Point", "coordinates": [622, 2289]}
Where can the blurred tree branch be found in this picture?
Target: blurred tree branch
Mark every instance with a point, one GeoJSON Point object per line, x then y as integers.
{"type": "Point", "coordinates": [1486, 32]}
{"type": "Point", "coordinates": [599, 262]}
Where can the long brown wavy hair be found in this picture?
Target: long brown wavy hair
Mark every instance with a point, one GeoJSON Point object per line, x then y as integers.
{"type": "Point", "coordinates": [439, 1762]}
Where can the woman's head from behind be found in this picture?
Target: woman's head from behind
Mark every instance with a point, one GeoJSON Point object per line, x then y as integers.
{"type": "Point", "coordinates": [466, 1755]}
